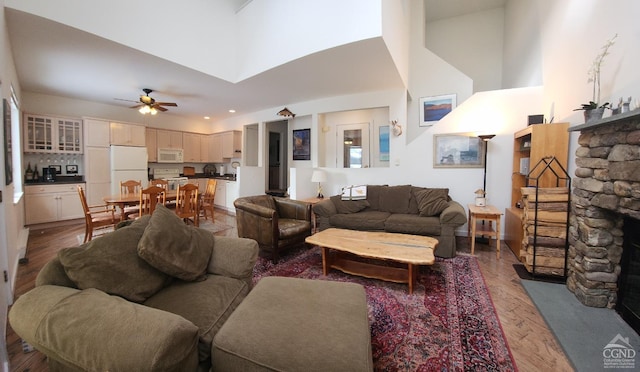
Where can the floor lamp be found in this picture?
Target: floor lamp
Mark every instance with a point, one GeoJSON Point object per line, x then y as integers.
{"type": "Point", "coordinates": [485, 138]}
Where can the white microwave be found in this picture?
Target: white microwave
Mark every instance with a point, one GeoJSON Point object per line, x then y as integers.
{"type": "Point", "coordinates": [170, 156]}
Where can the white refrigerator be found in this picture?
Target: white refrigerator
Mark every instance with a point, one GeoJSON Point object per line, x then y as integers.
{"type": "Point", "coordinates": [128, 163]}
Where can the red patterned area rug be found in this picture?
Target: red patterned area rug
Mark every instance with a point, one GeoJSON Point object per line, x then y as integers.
{"type": "Point", "coordinates": [447, 324]}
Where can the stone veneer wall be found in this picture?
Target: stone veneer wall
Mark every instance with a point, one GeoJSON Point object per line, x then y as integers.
{"type": "Point", "coordinates": [606, 188]}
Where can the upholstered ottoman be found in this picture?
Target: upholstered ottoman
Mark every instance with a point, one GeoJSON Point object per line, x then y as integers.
{"type": "Point", "coordinates": [291, 324]}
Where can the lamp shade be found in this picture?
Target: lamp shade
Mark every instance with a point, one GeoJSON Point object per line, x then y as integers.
{"type": "Point", "coordinates": [318, 176]}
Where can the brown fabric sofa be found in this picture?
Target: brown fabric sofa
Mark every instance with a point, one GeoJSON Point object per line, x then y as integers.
{"type": "Point", "coordinates": [275, 223]}
{"type": "Point", "coordinates": [400, 209]}
{"type": "Point", "coordinates": [148, 297]}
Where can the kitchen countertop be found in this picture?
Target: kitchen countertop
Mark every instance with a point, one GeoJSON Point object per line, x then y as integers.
{"type": "Point", "coordinates": [61, 180]}
{"type": "Point", "coordinates": [227, 177]}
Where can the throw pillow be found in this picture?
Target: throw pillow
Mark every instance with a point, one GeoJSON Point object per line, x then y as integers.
{"type": "Point", "coordinates": [173, 247]}
{"type": "Point", "coordinates": [348, 206]}
{"type": "Point", "coordinates": [431, 202]}
{"type": "Point", "coordinates": [373, 195]}
{"type": "Point", "coordinates": [111, 264]}
{"type": "Point", "coordinates": [395, 199]}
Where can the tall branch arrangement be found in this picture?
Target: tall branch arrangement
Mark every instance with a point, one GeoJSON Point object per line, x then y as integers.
{"type": "Point", "coordinates": [594, 71]}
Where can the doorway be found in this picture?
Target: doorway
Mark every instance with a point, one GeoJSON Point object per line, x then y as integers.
{"type": "Point", "coordinates": [277, 166]}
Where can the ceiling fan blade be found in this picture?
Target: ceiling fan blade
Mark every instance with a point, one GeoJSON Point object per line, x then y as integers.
{"type": "Point", "coordinates": [172, 104]}
{"type": "Point", "coordinates": [125, 100]}
{"type": "Point", "coordinates": [159, 108]}
{"type": "Point", "coordinates": [137, 106]}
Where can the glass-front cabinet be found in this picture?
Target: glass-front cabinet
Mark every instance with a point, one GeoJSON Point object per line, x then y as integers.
{"type": "Point", "coordinates": [52, 135]}
{"type": "Point", "coordinates": [38, 134]}
{"type": "Point", "coordinates": [69, 136]}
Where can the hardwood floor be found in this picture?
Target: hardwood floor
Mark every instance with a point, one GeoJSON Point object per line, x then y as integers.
{"type": "Point", "coordinates": [532, 344]}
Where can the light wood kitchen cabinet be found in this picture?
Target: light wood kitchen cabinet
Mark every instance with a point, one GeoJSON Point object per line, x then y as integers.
{"type": "Point", "coordinates": [232, 144]}
{"type": "Point", "coordinates": [96, 133]}
{"type": "Point", "coordinates": [97, 174]}
{"type": "Point", "coordinates": [52, 135]}
{"type": "Point", "coordinates": [151, 139]}
{"type": "Point", "coordinates": [215, 148]}
{"type": "Point", "coordinates": [232, 192]}
{"type": "Point", "coordinates": [204, 148]}
{"type": "Point", "coordinates": [127, 134]}
{"type": "Point", "coordinates": [192, 143]}
{"type": "Point", "coordinates": [220, 199]}
{"type": "Point", "coordinates": [50, 203]}
{"type": "Point", "coordinates": [169, 139]}
{"type": "Point", "coordinates": [96, 160]}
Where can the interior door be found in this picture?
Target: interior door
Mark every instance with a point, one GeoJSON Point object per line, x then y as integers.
{"type": "Point", "coordinates": [352, 146]}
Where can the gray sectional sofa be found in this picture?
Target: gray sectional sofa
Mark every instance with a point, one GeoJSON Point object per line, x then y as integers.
{"type": "Point", "coordinates": [400, 209]}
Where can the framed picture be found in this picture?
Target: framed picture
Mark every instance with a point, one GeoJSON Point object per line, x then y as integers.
{"type": "Point", "coordinates": [383, 138]}
{"type": "Point", "coordinates": [8, 157]}
{"type": "Point", "coordinates": [58, 168]}
{"type": "Point", "coordinates": [72, 169]}
{"type": "Point", "coordinates": [435, 108]}
{"type": "Point", "coordinates": [458, 150]}
{"type": "Point", "coordinates": [302, 144]}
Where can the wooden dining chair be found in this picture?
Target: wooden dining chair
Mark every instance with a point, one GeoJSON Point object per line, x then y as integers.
{"type": "Point", "coordinates": [130, 187]}
{"type": "Point", "coordinates": [149, 198]}
{"type": "Point", "coordinates": [96, 216]}
{"type": "Point", "coordinates": [187, 203]}
{"type": "Point", "coordinates": [160, 183]}
{"type": "Point", "coordinates": [206, 200]}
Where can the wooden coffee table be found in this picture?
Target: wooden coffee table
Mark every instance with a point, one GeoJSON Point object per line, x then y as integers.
{"type": "Point", "coordinates": [413, 250]}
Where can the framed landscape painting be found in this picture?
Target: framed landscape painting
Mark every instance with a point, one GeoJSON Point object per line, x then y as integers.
{"type": "Point", "coordinates": [458, 150]}
{"type": "Point", "coordinates": [434, 108]}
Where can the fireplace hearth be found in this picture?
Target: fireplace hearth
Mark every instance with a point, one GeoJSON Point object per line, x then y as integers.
{"type": "Point", "coordinates": [605, 200]}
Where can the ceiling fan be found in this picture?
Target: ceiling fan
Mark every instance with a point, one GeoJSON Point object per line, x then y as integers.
{"type": "Point", "coordinates": [149, 105]}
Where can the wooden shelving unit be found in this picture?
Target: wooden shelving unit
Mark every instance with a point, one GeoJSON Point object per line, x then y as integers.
{"type": "Point", "coordinates": [533, 142]}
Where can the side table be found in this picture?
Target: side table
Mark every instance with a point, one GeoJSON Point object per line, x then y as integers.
{"type": "Point", "coordinates": [313, 201]}
{"type": "Point", "coordinates": [487, 213]}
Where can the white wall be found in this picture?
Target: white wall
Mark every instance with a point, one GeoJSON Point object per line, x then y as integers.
{"type": "Point", "coordinates": [11, 211]}
{"type": "Point", "coordinates": [429, 75]}
{"type": "Point", "coordinates": [473, 43]}
{"type": "Point", "coordinates": [395, 33]}
{"type": "Point", "coordinates": [273, 32]}
{"type": "Point", "coordinates": [522, 65]}
{"type": "Point", "coordinates": [165, 28]}
{"type": "Point", "coordinates": [571, 34]}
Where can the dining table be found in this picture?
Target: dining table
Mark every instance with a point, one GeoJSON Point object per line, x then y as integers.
{"type": "Point", "coordinates": [124, 200]}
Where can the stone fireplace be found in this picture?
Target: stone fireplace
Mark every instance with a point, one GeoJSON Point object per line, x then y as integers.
{"type": "Point", "coordinates": [606, 192]}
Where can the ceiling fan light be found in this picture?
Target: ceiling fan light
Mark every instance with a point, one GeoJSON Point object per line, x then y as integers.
{"type": "Point", "coordinates": [153, 111]}
{"type": "Point", "coordinates": [142, 110]}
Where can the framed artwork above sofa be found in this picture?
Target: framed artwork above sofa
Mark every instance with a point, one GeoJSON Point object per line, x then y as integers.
{"type": "Point", "coordinates": [458, 150]}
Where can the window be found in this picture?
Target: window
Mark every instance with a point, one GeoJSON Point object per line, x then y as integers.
{"type": "Point", "coordinates": [16, 153]}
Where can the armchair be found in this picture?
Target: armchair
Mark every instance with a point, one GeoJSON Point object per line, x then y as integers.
{"type": "Point", "coordinates": [275, 223]}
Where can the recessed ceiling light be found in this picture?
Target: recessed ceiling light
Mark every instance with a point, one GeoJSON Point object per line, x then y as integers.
{"type": "Point", "coordinates": [206, 118]}
{"type": "Point", "coordinates": [232, 111]}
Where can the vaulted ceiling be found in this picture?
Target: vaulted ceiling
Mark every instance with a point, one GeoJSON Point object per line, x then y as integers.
{"type": "Point", "coordinates": [55, 59]}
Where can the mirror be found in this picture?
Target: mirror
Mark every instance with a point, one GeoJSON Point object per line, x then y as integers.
{"type": "Point", "coordinates": [354, 152]}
